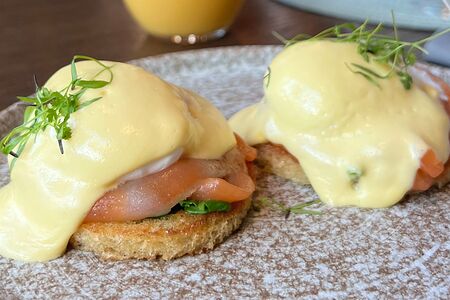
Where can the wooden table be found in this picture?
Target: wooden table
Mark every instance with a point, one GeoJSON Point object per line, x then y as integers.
{"type": "Point", "coordinates": [40, 36]}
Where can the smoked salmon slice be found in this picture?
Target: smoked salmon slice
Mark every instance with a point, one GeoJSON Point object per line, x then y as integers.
{"type": "Point", "coordinates": [430, 169]}
{"type": "Point", "coordinates": [156, 194]}
{"type": "Point", "coordinates": [430, 166]}
{"type": "Point", "coordinates": [422, 181]}
{"type": "Point", "coordinates": [235, 187]}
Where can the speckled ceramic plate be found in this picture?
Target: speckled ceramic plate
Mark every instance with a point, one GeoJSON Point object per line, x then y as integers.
{"type": "Point", "coordinates": [400, 252]}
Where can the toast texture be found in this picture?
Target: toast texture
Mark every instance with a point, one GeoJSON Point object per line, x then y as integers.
{"type": "Point", "coordinates": [166, 237]}
{"type": "Point", "coordinates": [277, 160]}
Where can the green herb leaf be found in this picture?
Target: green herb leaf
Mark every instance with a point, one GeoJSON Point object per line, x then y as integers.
{"type": "Point", "coordinates": [288, 210]}
{"type": "Point", "coordinates": [300, 208]}
{"type": "Point", "coordinates": [86, 103]}
{"type": "Point", "coordinates": [27, 99]}
{"type": "Point", "coordinates": [365, 75]}
{"type": "Point", "coordinates": [368, 71]}
{"type": "Point", "coordinates": [354, 175]}
{"type": "Point", "coordinates": [204, 207]}
{"type": "Point", "coordinates": [91, 84]}
{"type": "Point", "coordinates": [307, 212]}
{"type": "Point", "coordinates": [405, 79]}
{"type": "Point", "coordinates": [53, 109]}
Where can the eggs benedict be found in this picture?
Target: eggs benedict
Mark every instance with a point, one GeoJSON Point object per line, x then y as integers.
{"type": "Point", "coordinates": [123, 164]}
{"type": "Point", "coordinates": [356, 127]}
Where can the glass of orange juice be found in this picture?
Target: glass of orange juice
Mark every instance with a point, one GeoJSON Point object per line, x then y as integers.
{"type": "Point", "coordinates": [185, 21]}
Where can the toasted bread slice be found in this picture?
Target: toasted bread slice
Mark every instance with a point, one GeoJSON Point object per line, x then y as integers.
{"type": "Point", "coordinates": [277, 160]}
{"type": "Point", "coordinates": [166, 237]}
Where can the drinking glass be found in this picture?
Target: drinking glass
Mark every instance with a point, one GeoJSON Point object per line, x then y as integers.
{"type": "Point", "coordinates": [185, 21]}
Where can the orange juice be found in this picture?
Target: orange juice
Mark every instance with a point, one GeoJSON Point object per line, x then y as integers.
{"type": "Point", "coordinates": [168, 18]}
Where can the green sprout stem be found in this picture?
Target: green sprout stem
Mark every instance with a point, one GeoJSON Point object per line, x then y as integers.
{"type": "Point", "coordinates": [299, 208]}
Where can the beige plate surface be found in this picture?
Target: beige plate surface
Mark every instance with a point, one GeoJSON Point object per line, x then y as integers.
{"type": "Point", "coordinates": [402, 251]}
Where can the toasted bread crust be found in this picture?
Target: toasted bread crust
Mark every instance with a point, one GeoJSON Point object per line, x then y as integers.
{"type": "Point", "coordinates": [277, 160]}
{"type": "Point", "coordinates": [166, 237]}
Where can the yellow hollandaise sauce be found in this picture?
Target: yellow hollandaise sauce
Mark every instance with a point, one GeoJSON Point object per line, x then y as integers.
{"type": "Point", "coordinates": [358, 144]}
{"type": "Point", "coordinates": [139, 119]}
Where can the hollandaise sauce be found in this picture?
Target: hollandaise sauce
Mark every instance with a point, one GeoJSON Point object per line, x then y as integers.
{"type": "Point", "coordinates": [139, 119]}
{"type": "Point", "coordinates": [359, 143]}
